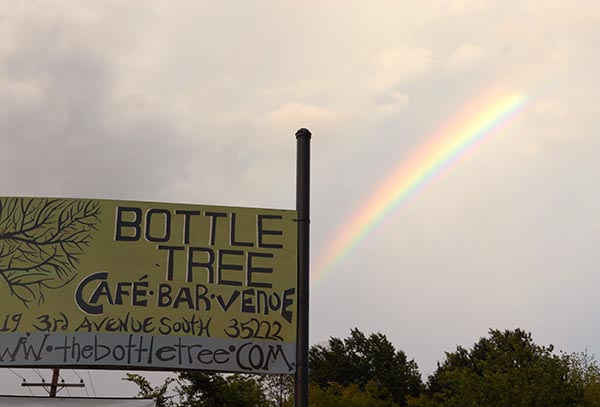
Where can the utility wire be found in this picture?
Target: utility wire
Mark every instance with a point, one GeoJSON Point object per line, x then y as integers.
{"type": "Point", "coordinates": [16, 374]}
{"type": "Point", "coordinates": [81, 378]}
{"type": "Point", "coordinates": [91, 383]}
{"type": "Point", "coordinates": [62, 380]}
{"type": "Point", "coordinates": [24, 380]}
{"type": "Point", "coordinates": [77, 374]}
{"type": "Point", "coordinates": [37, 371]}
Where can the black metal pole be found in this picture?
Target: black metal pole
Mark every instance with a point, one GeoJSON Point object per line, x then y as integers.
{"type": "Point", "coordinates": [303, 208]}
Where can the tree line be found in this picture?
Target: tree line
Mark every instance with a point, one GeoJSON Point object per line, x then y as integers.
{"type": "Point", "coordinates": [504, 369]}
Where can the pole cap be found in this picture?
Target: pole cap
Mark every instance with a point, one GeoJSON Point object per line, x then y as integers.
{"type": "Point", "coordinates": [303, 133]}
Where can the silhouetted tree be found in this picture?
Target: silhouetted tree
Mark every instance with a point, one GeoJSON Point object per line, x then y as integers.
{"type": "Point", "coordinates": [505, 370]}
{"type": "Point", "coordinates": [201, 389]}
{"type": "Point", "coordinates": [360, 360]}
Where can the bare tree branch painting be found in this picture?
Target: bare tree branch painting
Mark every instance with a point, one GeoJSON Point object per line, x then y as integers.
{"type": "Point", "coordinates": [41, 240]}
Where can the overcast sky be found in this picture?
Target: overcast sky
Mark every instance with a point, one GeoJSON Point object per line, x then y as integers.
{"type": "Point", "coordinates": [198, 102]}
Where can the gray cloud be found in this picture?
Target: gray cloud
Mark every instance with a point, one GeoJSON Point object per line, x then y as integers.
{"type": "Point", "coordinates": [199, 102]}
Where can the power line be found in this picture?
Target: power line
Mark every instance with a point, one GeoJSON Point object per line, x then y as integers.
{"type": "Point", "coordinates": [16, 374]}
{"type": "Point", "coordinates": [62, 380]}
{"type": "Point", "coordinates": [81, 379]}
{"type": "Point", "coordinates": [53, 387]}
{"type": "Point", "coordinates": [24, 379]}
{"type": "Point", "coordinates": [37, 371]}
{"type": "Point", "coordinates": [77, 374]}
{"type": "Point", "coordinates": [91, 383]}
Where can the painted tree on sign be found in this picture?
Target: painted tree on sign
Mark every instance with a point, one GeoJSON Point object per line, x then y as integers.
{"type": "Point", "coordinates": [41, 241]}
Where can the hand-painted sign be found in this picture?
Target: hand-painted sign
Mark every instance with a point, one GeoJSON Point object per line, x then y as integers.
{"type": "Point", "coordinates": [147, 285]}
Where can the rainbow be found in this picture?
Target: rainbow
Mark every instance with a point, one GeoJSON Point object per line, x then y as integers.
{"type": "Point", "coordinates": [477, 120]}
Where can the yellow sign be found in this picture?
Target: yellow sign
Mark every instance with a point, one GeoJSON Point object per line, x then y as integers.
{"type": "Point", "coordinates": [147, 285]}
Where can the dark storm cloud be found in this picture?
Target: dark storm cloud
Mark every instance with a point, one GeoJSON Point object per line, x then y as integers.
{"type": "Point", "coordinates": [69, 129]}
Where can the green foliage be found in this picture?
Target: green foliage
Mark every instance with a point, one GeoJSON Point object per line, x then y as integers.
{"type": "Point", "coordinates": [422, 401]}
{"type": "Point", "coordinates": [585, 373]}
{"type": "Point", "coordinates": [505, 370]}
{"type": "Point", "coordinates": [591, 395]}
{"type": "Point", "coordinates": [197, 389]}
{"type": "Point", "coordinates": [159, 393]}
{"type": "Point", "coordinates": [337, 395]}
{"type": "Point", "coordinates": [40, 242]}
{"type": "Point", "coordinates": [360, 360]}
{"type": "Point", "coordinates": [583, 368]}
{"type": "Point", "coordinates": [278, 389]}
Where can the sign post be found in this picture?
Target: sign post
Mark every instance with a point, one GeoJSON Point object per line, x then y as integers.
{"type": "Point", "coordinates": [303, 209]}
